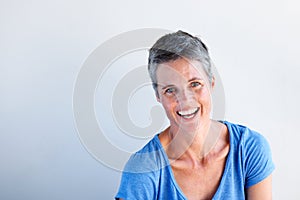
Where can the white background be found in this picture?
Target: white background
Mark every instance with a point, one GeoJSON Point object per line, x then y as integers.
{"type": "Point", "coordinates": [43, 44]}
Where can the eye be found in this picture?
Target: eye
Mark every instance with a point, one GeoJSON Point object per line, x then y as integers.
{"type": "Point", "coordinates": [195, 84]}
{"type": "Point", "coordinates": [170, 91]}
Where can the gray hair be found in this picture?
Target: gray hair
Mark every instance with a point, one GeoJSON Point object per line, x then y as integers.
{"type": "Point", "coordinates": [173, 46]}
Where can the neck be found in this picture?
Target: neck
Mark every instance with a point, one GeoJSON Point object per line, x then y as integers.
{"type": "Point", "coordinates": [195, 145]}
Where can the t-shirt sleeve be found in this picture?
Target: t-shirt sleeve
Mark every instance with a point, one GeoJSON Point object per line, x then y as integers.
{"type": "Point", "coordinates": [258, 162]}
{"type": "Point", "coordinates": [139, 178]}
{"type": "Point", "coordinates": [136, 186]}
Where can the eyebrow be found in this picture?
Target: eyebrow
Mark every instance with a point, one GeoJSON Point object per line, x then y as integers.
{"type": "Point", "coordinates": [195, 78]}
{"type": "Point", "coordinates": [192, 79]}
{"type": "Point", "coordinates": [167, 86]}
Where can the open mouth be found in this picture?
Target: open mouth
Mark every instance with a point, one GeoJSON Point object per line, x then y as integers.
{"type": "Point", "coordinates": [187, 114]}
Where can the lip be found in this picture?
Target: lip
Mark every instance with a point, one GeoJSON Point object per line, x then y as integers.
{"type": "Point", "coordinates": [188, 114]}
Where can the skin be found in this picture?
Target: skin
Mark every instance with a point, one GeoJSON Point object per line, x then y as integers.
{"type": "Point", "coordinates": [197, 146]}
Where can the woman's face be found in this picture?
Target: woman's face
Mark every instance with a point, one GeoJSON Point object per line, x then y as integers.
{"type": "Point", "coordinates": [185, 93]}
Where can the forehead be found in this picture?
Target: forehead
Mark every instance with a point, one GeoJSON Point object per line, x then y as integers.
{"type": "Point", "coordinates": [179, 70]}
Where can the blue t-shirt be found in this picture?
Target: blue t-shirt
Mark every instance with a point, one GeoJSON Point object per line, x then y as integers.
{"type": "Point", "coordinates": [148, 174]}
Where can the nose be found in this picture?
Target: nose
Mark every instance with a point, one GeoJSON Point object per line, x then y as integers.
{"type": "Point", "coordinates": [185, 96]}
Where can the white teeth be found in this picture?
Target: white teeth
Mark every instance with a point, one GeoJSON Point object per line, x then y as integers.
{"type": "Point", "coordinates": [188, 112]}
{"type": "Point", "coordinates": [188, 116]}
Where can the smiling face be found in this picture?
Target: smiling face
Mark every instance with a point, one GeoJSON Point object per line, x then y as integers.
{"type": "Point", "coordinates": [185, 93]}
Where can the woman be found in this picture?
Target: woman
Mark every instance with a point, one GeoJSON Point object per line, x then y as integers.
{"type": "Point", "coordinates": [195, 157]}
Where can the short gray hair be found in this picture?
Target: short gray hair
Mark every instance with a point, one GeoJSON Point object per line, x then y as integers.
{"type": "Point", "coordinates": [173, 46]}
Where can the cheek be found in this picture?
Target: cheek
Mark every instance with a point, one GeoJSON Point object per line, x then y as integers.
{"type": "Point", "coordinates": [204, 95]}
{"type": "Point", "coordinates": [168, 103]}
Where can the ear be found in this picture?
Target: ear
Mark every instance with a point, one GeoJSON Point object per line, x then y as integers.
{"type": "Point", "coordinates": [157, 98]}
{"type": "Point", "coordinates": [213, 82]}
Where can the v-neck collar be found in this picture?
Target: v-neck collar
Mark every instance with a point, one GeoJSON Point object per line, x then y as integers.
{"type": "Point", "coordinates": [225, 172]}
